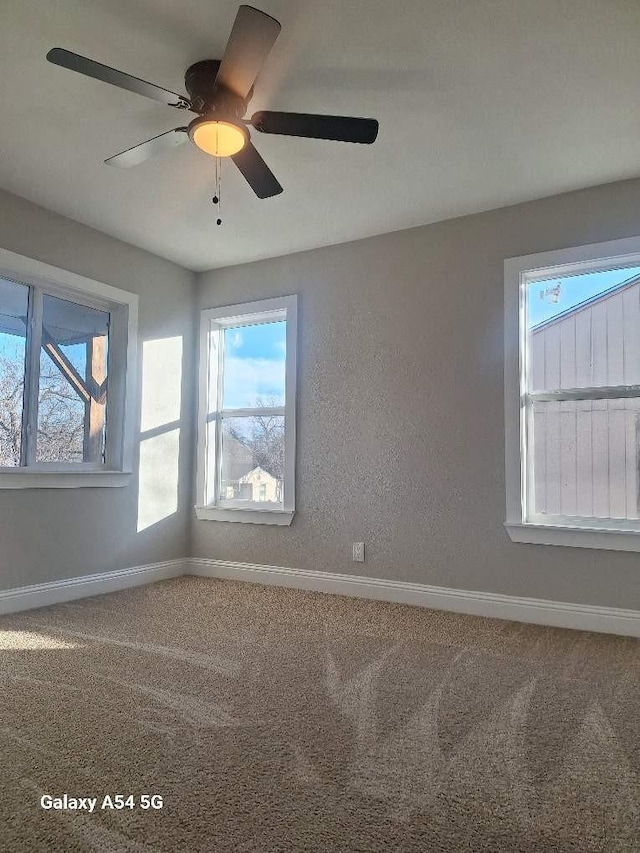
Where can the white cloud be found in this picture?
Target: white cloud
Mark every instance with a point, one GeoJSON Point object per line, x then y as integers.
{"type": "Point", "coordinates": [236, 340]}
{"type": "Point", "coordinates": [249, 380]}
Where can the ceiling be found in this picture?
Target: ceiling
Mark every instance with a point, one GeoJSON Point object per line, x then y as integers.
{"type": "Point", "coordinates": [481, 103]}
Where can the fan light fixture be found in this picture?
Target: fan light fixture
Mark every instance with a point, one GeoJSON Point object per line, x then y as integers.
{"type": "Point", "coordinates": [218, 138]}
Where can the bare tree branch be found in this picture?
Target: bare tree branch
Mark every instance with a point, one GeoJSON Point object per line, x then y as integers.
{"type": "Point", "coordinates": [266, 439]}
{"type": "Point", "coordinates": [60, 415]}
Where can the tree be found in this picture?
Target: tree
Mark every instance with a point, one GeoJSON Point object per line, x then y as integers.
{"type": "Point", "coordinates": [60, 414]}
{"type": "Point", "coordinates": [11, 392]}
{"type": "Point", "coordinates": [265, 439]}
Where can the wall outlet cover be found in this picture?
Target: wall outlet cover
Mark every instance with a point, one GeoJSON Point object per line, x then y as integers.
{"type": "Point", "coordinates": [358, 552]}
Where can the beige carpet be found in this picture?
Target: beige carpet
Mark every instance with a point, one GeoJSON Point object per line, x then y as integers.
{"type": "Point", "coordinates": [275, 720]}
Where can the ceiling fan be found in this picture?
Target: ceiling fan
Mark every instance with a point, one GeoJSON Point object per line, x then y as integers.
{"type": "Point", "coordinates": [219, 92]}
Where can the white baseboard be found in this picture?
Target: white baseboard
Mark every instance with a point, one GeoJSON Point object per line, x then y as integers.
{"type": "Point", "coordinates": [583, 617]}
{"type": "Point", "coordinates": [55, 592]}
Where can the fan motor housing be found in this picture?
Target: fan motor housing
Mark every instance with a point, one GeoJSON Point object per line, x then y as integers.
{"type": "Point", "coordinates": [206, 97]}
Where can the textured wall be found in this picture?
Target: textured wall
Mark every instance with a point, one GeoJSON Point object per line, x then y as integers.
{"type": "Point", "coordinates": [401, 408]}
{"type": "Point", "coordinates": [52, 534]}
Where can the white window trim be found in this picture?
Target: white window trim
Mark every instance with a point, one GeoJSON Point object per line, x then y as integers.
{"type": "Point", "coordinates": [232, 316]}
{"type": "Point", "coordinates": [122, 388]}
{"type": "Point", "coordinates": [518, 272]}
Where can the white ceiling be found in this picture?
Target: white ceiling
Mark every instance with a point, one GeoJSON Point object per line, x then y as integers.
{"type": "Point", "coordinates": [481, 103]}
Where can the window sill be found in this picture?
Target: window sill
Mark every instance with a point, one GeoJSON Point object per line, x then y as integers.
{"type": "Point", "coordinates": [20, 478]}
{"type": "Point", "coordinates": [283, 518]}
{"type": "Point", "coordinates": [574, 537]}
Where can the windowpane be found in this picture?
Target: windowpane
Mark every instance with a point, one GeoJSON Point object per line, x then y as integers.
{"type": "Point", "coordinates": [254, 366]}
{"type": "Point", "coordinates": [585, 458]}
{"type": "Point", "coordinates": [584, 330]}
{"type": "Point", "coordinates": [73, 393]}
{"type": "Point", "coordinates": [14, 301]}
{"type": "Point", "coordinates": [252, 463]}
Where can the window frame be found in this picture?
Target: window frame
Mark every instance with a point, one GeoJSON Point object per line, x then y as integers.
{"type": "Point", "coordinates": [44, 279]}
{"type": "Point", "coordinates": [213, 321]}
{"type": "Point", "coordinates": [523, 525]}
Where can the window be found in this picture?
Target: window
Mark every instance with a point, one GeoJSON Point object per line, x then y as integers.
{"type": "Point", "coordinates": [572, 382]}
{"type": "Point", "coordinates": [66, 347]}
{"type": "Point", "coordinates": [246, 443]}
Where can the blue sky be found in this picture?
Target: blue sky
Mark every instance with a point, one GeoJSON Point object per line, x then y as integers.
{"type": "Point", "coordinates": [254, 365]}
{"type": "Point", "coordinates": [573, 290]}
{"type": "Point", "coordinates": [13, 347]}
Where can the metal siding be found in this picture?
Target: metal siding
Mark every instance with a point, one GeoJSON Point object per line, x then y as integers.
{"type": "Point", "coordinates": [631, 335]}
{"type": "Point", "coordinates": [584, 458]}
{"type": "Point", "coordinates": [585, 453]}
{"type": "Point", "coordinates": [614, 342]}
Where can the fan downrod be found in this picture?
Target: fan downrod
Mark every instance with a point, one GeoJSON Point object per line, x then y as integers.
{"type": "Point", "coordinates": [206, 96]}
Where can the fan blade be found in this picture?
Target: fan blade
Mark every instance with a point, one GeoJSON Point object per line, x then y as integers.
{"type": "Point", "coordinates": [256, 172]}
{"type": "Point", "coordinates": [156, 145]}
{"type": "Point", "coordinates": [82, 65]}
{"type": "Point", "coordinates": [252, 37]}
{"type": "Point", "coordinates": [340, 128]}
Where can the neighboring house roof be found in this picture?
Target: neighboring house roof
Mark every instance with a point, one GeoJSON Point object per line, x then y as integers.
{"type": "Point", "coordinates": [575, 309]}
{"type": "Point", "coordinates": [264, 475]}
{"type": "Point", "coordinates": [240, 461]}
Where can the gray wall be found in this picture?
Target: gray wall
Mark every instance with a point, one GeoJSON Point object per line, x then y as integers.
{"type": "Point", "coordinates": [52, 534]}
{"type": "Point", "coordinates": [401, 433]}
{"type": "Point", "coordinates": [401, 408]}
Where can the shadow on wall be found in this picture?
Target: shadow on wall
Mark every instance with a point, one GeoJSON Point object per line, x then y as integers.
{"type": "Point", "coordinates": [159, 430]}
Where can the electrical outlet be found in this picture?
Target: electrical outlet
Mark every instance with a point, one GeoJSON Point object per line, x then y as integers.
{"type": "Point", "coordinates": [358, 552]}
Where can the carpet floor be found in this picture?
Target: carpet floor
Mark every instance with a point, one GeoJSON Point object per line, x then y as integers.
{"type": "Point", "coordinates": [276, 720]}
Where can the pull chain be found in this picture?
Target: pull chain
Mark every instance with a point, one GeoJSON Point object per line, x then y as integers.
{"type": "Point", "coordinates": [216, 198]}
